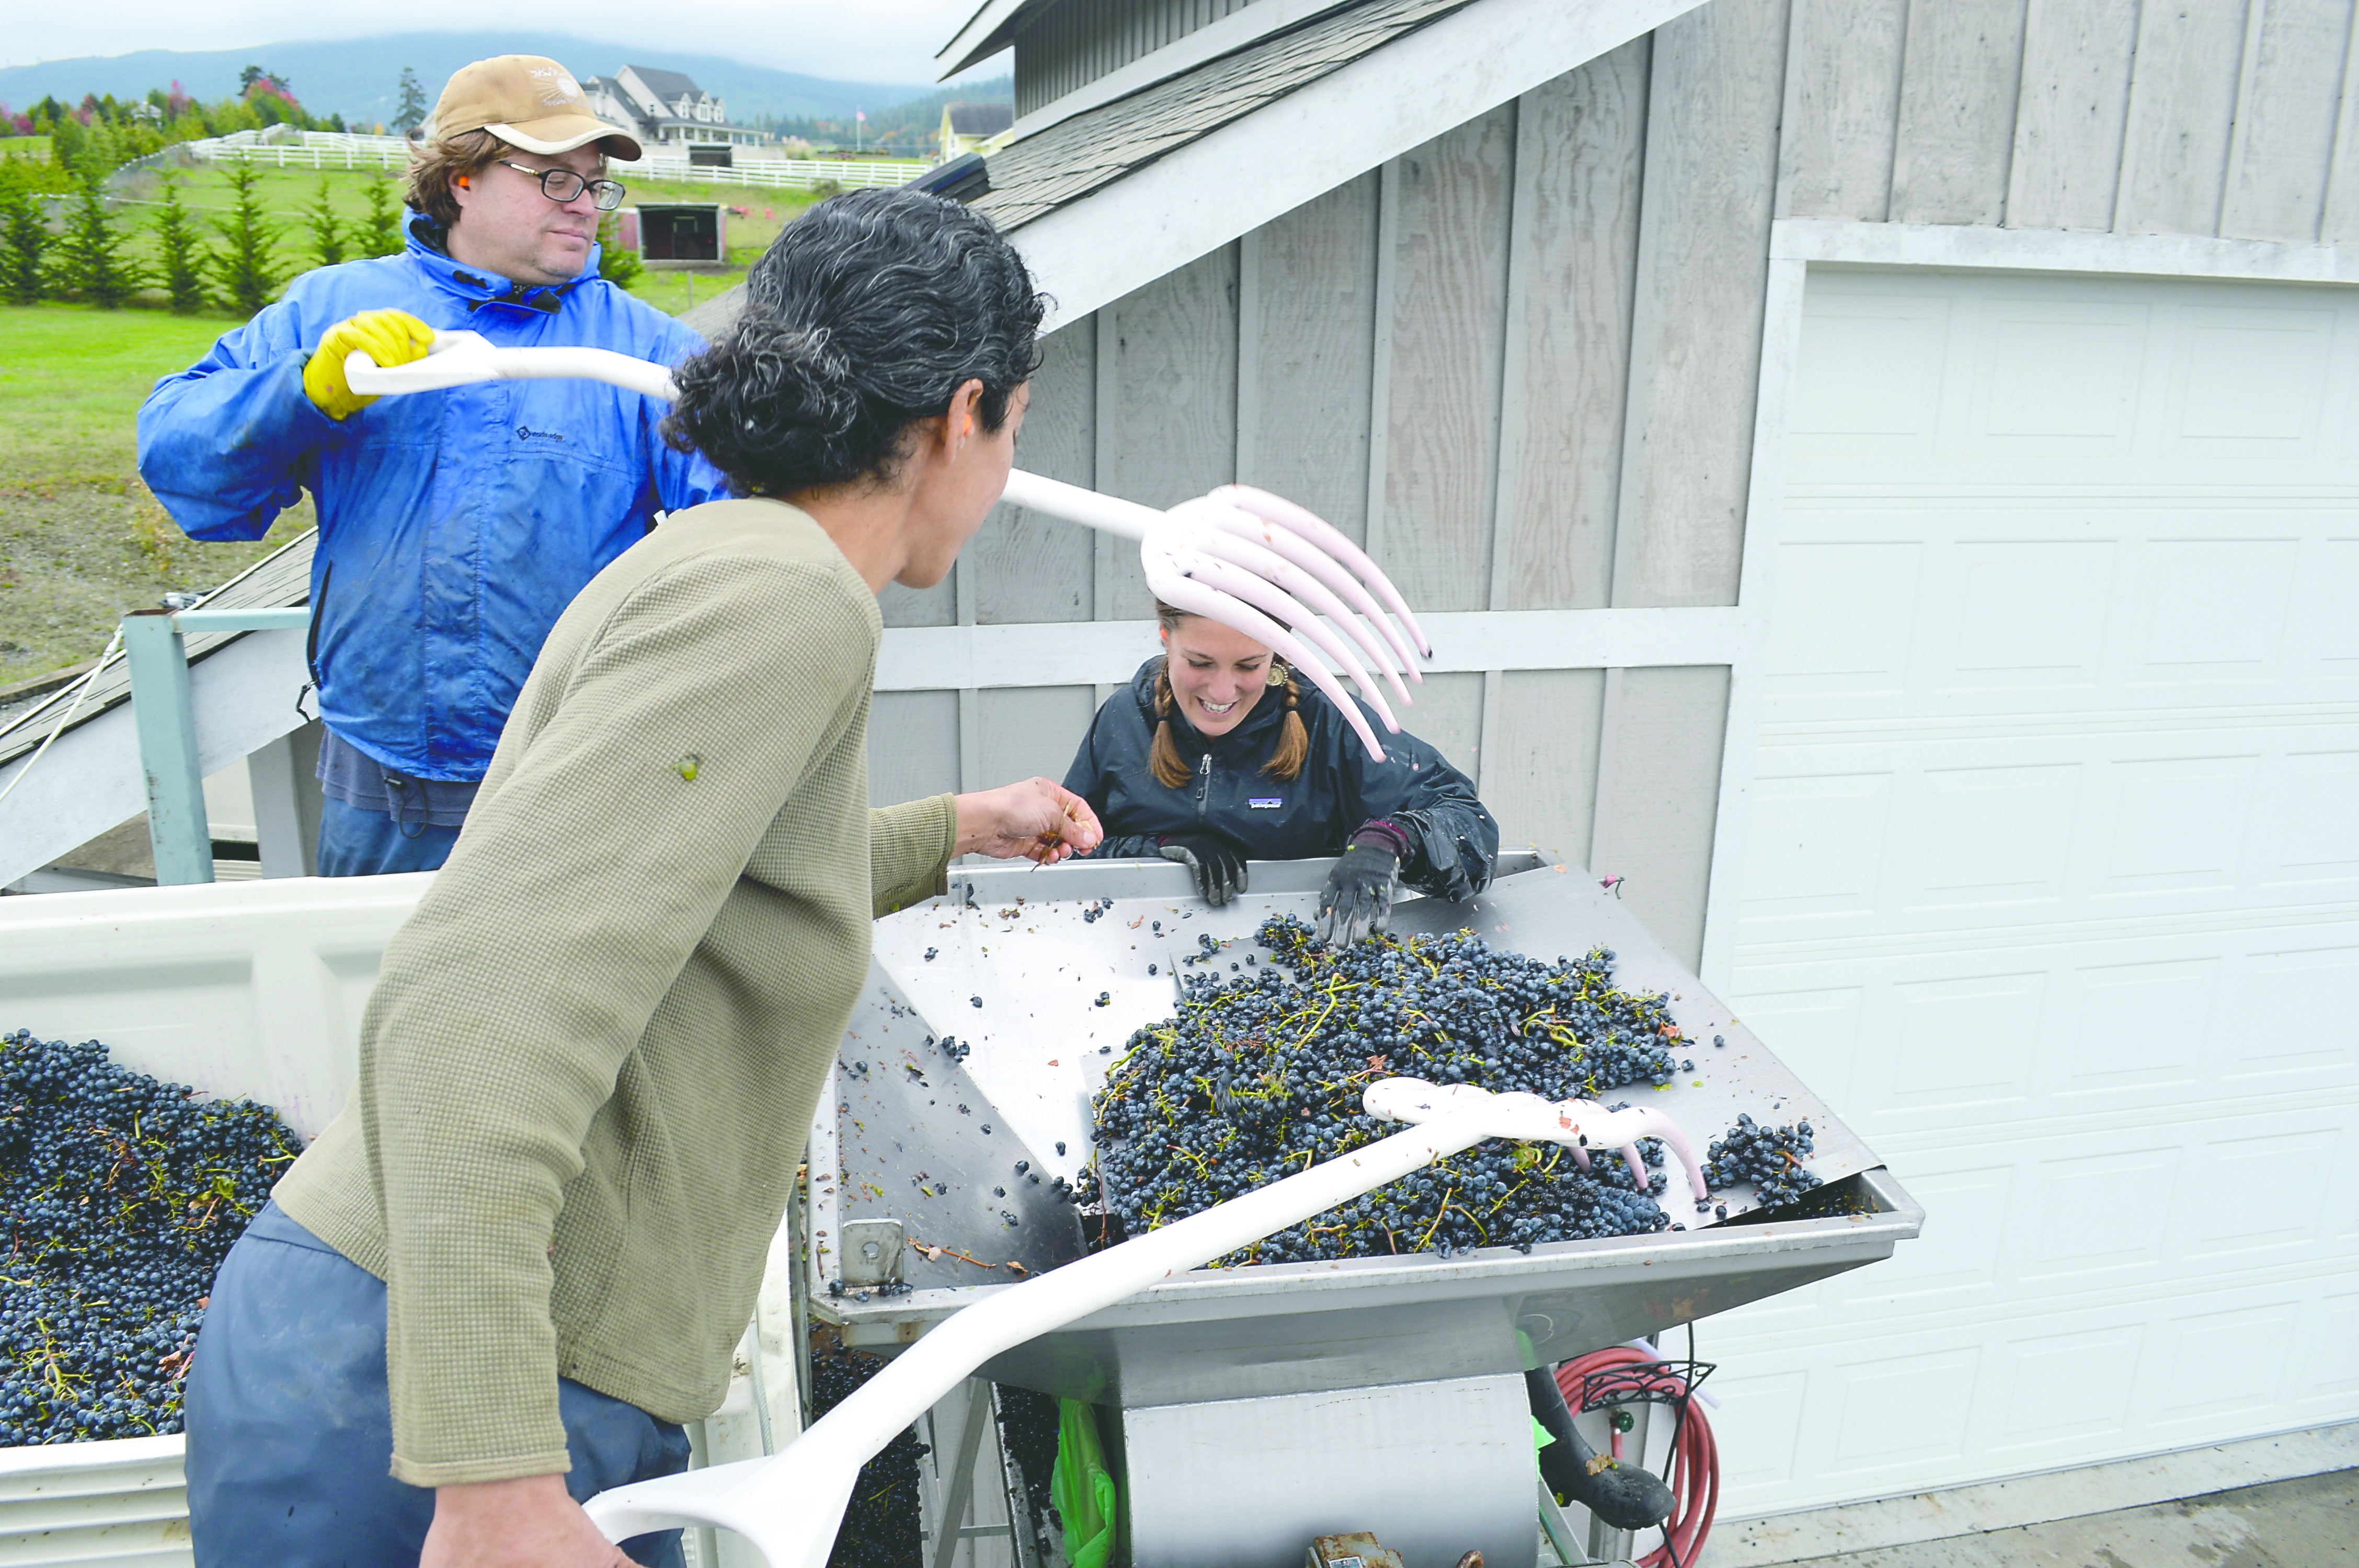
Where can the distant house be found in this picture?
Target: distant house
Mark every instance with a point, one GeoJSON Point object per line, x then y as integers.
{"type": "Point", "coordinates": [975, 128]}
{"type": "Point", "coordinates": [666, 109]}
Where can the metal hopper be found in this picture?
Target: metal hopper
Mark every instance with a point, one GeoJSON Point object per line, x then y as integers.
{"type": "Point", "coordinates": [917, 1205]}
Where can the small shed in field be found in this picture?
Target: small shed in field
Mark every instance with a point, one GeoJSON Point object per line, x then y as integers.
{"type": "Point", "coordinates": [1883, 479]}
{"type": "Point", "coordinates": [678, 233]}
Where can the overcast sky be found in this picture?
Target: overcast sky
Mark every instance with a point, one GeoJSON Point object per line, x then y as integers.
{"type": "Point", "coordinates": [855, 40]}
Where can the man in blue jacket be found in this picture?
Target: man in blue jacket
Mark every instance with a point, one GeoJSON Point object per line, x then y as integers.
{"type": "Point", "coordinates": [454, 527]}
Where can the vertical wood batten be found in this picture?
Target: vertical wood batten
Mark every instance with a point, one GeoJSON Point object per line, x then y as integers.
{"type": "Point", "coordinates": [1514, 414]}
{"type": "Point", "coordinates": [2286, 121]}
{"type": "Point", "coordinates": [1026, 567]}
{"type": "Point", "coordinates": [1103, 431]}
{"type": "Point", "coordinates": [1782, 340]}
{"type": "Point", "coordinates": [1703, 252]}
{"type": "Point", "coordinates": [2182, 108]}
{"type": "Point", "coordinates": [1570, 329]}
{"type": "Point", "coordinates": [1175, 401]}
{"type": "Point", "coordinates": [970, 711]}
{"type": "Point", "coordinates": [1962, 70]}
{"type": "Point", "coordinates": [2071, 113]}
{"type": "Point", "coordinates": [1308, 429]}
{"type": "Point", "coordinates": [2341, 213]}
{"type": "Point", "coordinates": [1842, 108]}
{"type": "Point", "coordinates": [1449, 339]}
{"type": "Point", "coordinates": [1249, 336]}
{"type": "Point", "coordinates": [1606, 786]}
{"type": "Point", "coordinates": [1380, 355]}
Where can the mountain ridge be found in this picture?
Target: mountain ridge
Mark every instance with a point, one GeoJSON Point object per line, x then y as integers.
{"type": "Point", "coordinates": [358, 78]}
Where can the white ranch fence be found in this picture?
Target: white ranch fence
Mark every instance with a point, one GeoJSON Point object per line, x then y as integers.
{"type": "Point", "coordinates": [329, 149]}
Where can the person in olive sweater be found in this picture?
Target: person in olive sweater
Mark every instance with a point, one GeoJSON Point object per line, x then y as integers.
{"type": "Point", "coordinates": [519, 1259]}
{"type": "Point", "coordinates": [1216, 755]}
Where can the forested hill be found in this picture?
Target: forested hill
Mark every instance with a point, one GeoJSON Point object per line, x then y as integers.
{"type": "Point", "coordinates": [358, 78]}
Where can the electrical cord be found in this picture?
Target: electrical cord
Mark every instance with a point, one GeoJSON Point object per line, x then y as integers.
{"type": "Point", "coordinates": [1693, 1474]}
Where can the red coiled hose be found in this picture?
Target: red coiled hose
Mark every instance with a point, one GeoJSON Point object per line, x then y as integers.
{"type": "Point", "coordinates": [1694, 1476]}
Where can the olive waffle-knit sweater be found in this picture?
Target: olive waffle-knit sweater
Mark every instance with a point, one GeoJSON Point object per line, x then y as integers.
{"type": "Point", "coordinates": [592, 1054]}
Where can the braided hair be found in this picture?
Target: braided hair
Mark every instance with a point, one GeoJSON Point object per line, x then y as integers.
{"type": "Point", "coordinates": [1286, 759]}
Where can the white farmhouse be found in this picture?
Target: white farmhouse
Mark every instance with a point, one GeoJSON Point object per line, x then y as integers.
{"type": "Point", "coordinates": [666, 109]}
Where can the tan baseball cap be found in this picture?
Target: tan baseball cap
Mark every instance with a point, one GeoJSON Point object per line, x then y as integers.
{"type": "Point", "coordinates": [527, 100]}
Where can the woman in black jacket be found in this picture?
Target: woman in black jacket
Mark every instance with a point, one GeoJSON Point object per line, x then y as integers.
{"type": "Point", "coordinates": [1217, 754]}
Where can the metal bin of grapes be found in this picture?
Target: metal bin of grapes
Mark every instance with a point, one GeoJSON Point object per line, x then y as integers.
{"type": "Point", "coordinates": [1361, 1393]}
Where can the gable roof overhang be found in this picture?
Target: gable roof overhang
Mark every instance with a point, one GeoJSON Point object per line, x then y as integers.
{"type": "Point", "coordinates": [1103, 200]}
{"type": "Point", "coordinates": [1094, 228]}
{"type": "Point", "coordinates": [985, 33]}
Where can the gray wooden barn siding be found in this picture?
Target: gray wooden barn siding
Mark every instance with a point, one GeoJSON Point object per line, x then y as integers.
{"type": "Point", "coordinates": [2221, 117]}
{"type": "Point", "coordinates": [1437, 357]}
{"type": "Point", "coordinates": [1519, 362]}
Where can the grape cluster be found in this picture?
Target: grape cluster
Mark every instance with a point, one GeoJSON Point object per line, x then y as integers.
{"type": "Point", "coordinates": [121, 1195]}
{"type": "Point", "coordinates": [880, 1527]}
{"type": "Point", "coordinates": [1768, 1157]}
{"type": "Point", "coordinates": [1260, 1077]}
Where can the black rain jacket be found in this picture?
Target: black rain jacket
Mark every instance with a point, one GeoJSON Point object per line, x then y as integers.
{"type": "Point", "coordinates": [1454, 841]}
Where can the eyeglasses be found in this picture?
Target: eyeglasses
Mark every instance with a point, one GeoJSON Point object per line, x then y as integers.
{"type": "Point", "coordinates": [564, 184]}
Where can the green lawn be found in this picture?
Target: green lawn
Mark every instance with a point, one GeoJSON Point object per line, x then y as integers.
{"type": "Point", "coordinates": [81, 539]}
{"type": "Point", "coordinates": [71, 380]}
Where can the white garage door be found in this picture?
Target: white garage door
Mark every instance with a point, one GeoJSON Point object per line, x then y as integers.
{"type": "Point", "coordinates": [2052, 881]}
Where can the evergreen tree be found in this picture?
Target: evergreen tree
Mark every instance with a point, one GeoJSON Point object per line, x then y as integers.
{"type": "Point", "coordinates": [181, 254]}
{"type": "Point", "coordinates": [379, 235]}
{"type": "Point", "coordinates": [412, 112]}
{"type": "Point", "coordinates": [246, 270]}
{"type": "Point", "coordinates": [616, 263]}
{"type": "Point", "coordinates": [91, 262]}
{"type": "Point", "coordinates": [329, 235]}
{"type": "Point", "coordinates": [23, 242]}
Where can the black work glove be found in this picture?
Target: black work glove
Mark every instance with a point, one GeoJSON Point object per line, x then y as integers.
{"type": "Point", "coordinates": [1218, 865]}
{"type": "Point", "coordinates": [1358, 900]}
{"type": "Point", "coordinates": [1623, 1496]}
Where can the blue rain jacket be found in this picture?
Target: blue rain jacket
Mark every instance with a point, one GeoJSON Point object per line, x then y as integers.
{"type": "Point", "coordinates": [454, 527]}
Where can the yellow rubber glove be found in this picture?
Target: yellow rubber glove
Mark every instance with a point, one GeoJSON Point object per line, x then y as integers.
{"type": "Point", "coordinates": [389, 337]}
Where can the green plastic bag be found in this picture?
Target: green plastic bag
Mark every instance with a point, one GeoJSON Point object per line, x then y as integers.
{"type": "Point", "coordinates": [1082, 1488]}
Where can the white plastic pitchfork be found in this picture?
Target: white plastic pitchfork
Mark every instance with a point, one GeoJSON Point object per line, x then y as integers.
{"type": "Point", "coordinates": [790, 1505]}
{"type": "Point", "coordinates": [1239, 556]}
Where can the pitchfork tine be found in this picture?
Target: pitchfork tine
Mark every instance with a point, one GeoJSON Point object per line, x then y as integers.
{"type": "Point", "coordinates": [1390, 651]}
{"type": "Point", "coordinates": [1311, 526]}
{"type": "Point", "coordinates": [1306, 554]}
{"type": "Point", "coordinates": [1276, 569]}
{"type": "Point", "coordinates": [1182, 592]}
{"type": "Point", "coordinates": [1283, 608]}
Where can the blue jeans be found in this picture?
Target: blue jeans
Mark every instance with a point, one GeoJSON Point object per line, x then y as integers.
{"type": "Point", "coordinates": [357, 842]}
{"type": "Point", "coordinates": [291, 1428]}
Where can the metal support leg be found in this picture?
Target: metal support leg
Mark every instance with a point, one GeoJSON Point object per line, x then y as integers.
{"type": "Point", "coordinates": [287, 804]}
{"type": "Point", "coordinates": [978, 1411]}
{"type": "Point", "coordinates": [165, 720]}
{"type": "Point", "coordinates": [164, 714]}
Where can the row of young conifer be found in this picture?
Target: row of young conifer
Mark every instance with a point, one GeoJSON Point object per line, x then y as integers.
{"type": "Point", "coordinates": [66, 235]}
